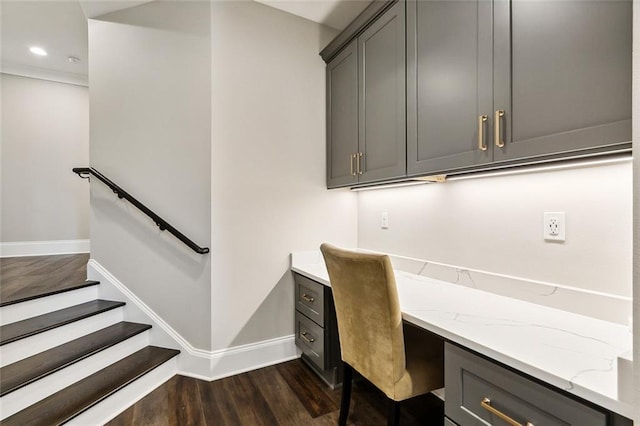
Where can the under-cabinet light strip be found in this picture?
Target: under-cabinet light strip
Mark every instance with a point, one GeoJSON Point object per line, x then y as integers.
{"type": "Point", "coordinates": [506, 172]}
{"type": "Point", "coordinates": [542, 168]}
{"type": "Point", "coordinates": [390, 185]}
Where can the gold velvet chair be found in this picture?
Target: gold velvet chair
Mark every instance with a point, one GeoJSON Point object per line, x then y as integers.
{"type": "Point", "coordinates": [401, 361]}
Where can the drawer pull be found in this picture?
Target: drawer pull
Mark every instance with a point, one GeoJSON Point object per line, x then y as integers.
{"type": "Point", "coordinates": [486, 404]}
{"type": "Point", "coordinates": [303, 335]}
{"type": "Point", "coordinates": [307, 298]}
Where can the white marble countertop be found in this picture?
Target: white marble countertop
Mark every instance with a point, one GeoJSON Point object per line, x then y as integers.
{"type": "Point", "coordinates": [572, 352]}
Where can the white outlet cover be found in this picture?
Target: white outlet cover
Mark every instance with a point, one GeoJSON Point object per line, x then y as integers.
{"type": "Point", "coordinates": [554, 226]}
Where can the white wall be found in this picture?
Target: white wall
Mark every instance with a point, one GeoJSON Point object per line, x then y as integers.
{"type": "Point", "coordinates": [269, 195]}
{"type": "Point", "coordinates": [150, 76]}
{"type": "Point", "coordinates": [495, 224]}
{"type": "Point", "coordinates": [45, 133]}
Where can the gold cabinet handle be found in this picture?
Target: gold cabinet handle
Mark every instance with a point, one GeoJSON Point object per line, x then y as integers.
{"type": "Point", "coordinates": [307, 298]}
{"type": "Point", "coordinates": [351, 161]}
{"type": "Point", "coordinates": [360, 163]}
{"type": "Point", "coordinates": [486, 404]}
{"type": "Point", "coordinates": [498, 134]}
{"type": "Point", "coordinates": [303, 336]}
{"type": "Point", "coordinates": [481, 120]}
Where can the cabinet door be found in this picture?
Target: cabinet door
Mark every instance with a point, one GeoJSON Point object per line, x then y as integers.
{"type": "Point", "coordinates": [562, 75]}
{"type": "Point", "coordinates": [449, 84]}
{"type": "Point", "coordinates": [342, 117]}
{"type": "Point", "coordinates": [381, 49]}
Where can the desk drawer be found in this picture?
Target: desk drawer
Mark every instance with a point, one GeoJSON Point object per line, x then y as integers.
{"type": "Point", "coordinates": [310, 339]}
{"type": "Point", "coordinates": [470, 379]}
{"type": "Point", "coordinates": [310, 298]}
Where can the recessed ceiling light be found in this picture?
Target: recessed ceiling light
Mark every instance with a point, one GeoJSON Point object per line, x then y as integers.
{"type": "Point", "coordinates": [38, 51]}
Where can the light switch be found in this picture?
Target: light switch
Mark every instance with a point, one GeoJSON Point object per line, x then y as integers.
{"type": "Point", "coordinates": [384, 220]}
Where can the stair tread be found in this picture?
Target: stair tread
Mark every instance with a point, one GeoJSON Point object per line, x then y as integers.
{"type": "Point", "coordinates": [29, 327]}
{"type": "Point", "coordinates": [43, 289]}
{"type": "Point", "coordinates": [73, 400]}
{"type": "Point", "coordinates": [26, 371]}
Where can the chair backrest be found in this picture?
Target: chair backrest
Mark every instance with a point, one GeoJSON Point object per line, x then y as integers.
{"type": "Point", "coordinates": [368, 314]}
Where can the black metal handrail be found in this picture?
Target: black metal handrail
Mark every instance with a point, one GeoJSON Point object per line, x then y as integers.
{"type": "Point", "coordinates": [84, 173]}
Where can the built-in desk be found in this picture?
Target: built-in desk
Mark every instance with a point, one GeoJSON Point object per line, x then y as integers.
{"type": "Point", "coordinates": [573, 353]}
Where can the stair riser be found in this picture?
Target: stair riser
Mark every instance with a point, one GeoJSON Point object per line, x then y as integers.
{"type": "Point", "coordinates": [30, 394]}
{"type": "Point", "coordinates": [44, 305]}
{"type": "Point", "coordinates": [109, 408]}
{"type": "Point", "coordinates": [29, 346]}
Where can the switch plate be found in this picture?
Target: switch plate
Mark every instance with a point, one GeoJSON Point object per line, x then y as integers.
{"type": "Point", "coordinates": [554, 226]}
{"type": "Point", "coordinates": [384, 220]}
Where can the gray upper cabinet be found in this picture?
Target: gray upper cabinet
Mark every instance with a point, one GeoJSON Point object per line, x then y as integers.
{"type": "Point", "coordinates": [382, 136]}
{"type": "Point", "coordinates": [342, 117]}
{"type": "Point", "coordinates": [449, 84]}
{"type": "Point", "coordinates": [528, 80]}
{"type": "Point", "coordinates": [562, 76]}
{"type": "Point", "coordinates": [366, 108]}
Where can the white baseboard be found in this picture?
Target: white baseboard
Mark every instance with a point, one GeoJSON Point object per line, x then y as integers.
{"type": "Point", "coordinates": [43, 248]}
{"type": "Point", "coordinates": [193, 362]}
{"type": "Point", "coordinates": [240, 359]}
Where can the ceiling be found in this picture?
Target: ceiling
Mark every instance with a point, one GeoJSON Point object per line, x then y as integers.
{"type": "Point", "coordinates": [336, 14]}
{"type": "Point", "coordinates": [60, 27]}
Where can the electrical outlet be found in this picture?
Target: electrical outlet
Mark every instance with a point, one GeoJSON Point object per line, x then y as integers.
{"type": "Point", "coordinates": [554, 226]}
{"type": "Point", "coordinates": [384, 220]}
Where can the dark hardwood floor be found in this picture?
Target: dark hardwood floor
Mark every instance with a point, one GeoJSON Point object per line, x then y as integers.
{"type": "Point", "coordinates": [22, 278]}
{"type": "Point", "coordinates": [284, 394]}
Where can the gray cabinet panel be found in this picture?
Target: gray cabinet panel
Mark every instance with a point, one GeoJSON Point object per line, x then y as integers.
{"type": "Point", "coordinates": [469, 379]}
{"type": "Point", "coordinates": [342, 117]}
{"type": "Point", "coordinates": [310, 339]}
{"type": "Point", "coordinates": [317, 329]}
{"type": "Point", "coordinates": [562, 75]}
{"type": "Point", "coordinates": [310, 298]}
{"type": "Point", "coordinates": [449, 84]}
{"type": "Point", "coordinates": [382, 121]}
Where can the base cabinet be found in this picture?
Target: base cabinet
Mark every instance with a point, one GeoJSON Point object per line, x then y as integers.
{"type": "Point", "coordinates": [317, 329]}
{"type": "Point", "coordinates": [481, 392]}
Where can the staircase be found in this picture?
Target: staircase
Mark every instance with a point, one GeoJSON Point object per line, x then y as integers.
{"type": "Point", "coordinates": [69, 357]}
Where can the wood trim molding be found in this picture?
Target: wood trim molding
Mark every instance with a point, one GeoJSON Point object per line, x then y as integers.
{"type": "Point", "coordinates": [193, 362]}
{"type": "Point", "coordinates": [42, 248]}
{"type": "Point", "coordinates": [355, 27]}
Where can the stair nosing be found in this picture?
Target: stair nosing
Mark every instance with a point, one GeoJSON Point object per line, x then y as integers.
{"type": "Point", "coordinates": [169, 354]}
{"type": "Point", "coordinates": [87, 283]}
{"type": "Point", "coordinates": [125, 336]}
{"type": "Point", "coordinates": [113, 305]}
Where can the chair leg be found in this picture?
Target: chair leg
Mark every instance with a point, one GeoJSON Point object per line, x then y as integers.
{"type": "Point", "coordinates": [346, 394]}
{"type": "Point", "coordinates": [393, 418]}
